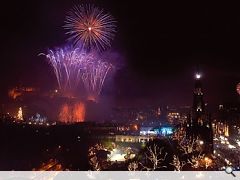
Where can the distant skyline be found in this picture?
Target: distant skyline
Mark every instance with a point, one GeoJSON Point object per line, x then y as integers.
{"type": "Point", "coordinates": [158, 47]}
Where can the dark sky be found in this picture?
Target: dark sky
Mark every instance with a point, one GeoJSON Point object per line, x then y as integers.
{"type": "Point", "coordinates": [161, 44]}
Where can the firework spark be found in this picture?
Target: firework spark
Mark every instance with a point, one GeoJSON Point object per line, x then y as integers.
{"type": "Point", "coordinates": [89, 27]}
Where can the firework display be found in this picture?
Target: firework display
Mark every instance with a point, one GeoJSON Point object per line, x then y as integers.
{"type": "Point", "coordinates": [80, 68]}
{"type": "Point", "coordinates": [89, 27]}
{"type": "Point", "coordinates": [72, 66]}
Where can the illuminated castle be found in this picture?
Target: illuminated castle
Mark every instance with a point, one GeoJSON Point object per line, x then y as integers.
{"type": "Point", "coordinates": [199, 121]}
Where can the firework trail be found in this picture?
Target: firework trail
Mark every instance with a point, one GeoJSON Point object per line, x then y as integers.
{"type": "Point", "coordinates": [94, 77]}
{"type": "Point", "coordinates": [67, 64]}
{"type": "Point", "coordinates": [90, 28]}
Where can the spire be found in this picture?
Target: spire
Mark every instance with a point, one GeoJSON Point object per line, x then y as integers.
{"type": "Point", "coordinates": [198, 103]}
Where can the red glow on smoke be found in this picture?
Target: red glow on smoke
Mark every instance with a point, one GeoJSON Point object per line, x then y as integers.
{"type": "Point", "coordinates": [19, 91]}
{"type": "Point", "coordinates": [72, 113]}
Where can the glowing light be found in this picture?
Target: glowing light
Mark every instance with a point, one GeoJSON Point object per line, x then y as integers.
{"type": "Point", "coordinates": [231, 146]}
{"type": "Point", "coordinates": [14, 94]}
{"type": "Point", "coordinates": [226, 130]}
{"type": "Point", "coordinates": [89, 27]}
{"type": "Point", "coordinates": [19, 91]}
{"type": "Point", "coordinates": [65, 115]}
{"type": "Point", "coordinates": [79, 112]}
{"type": "Point", "coordinates": [159, 111]}
{"type": "Point", "coordinates": [166, 131]}
{"type": "Point", "coordinates": [198, 76]}
{"type": "Point", "coordinates": [20, 114]}
{"type": "Point", "coordinates": [117, 155]}
{"type": "Point", "coordinates": [135, 127]}
{"type": "Point", "coordinates": [238, 88]}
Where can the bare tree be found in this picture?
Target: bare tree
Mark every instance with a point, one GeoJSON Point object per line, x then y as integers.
{"type": "Point", "coordinates": [155, 158]}
{"type": "Point", "coordinates": [179, 134]}
{"type": "Point", "coordinates": [189, 146]}
{"type": "Point", "coordinates": [133, 166]}
{"type": "Point", "coordinates": [192, 148]}
{"type": "Point", "coordinates": [196, 161]}
{"type": "Point", "coordinates": [178, 165]}
{"type": "Point", "coordinates": [94, 163]}
{"type": "Point", "coordinates": [92, 156]}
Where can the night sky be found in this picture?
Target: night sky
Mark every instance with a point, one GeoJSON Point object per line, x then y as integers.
{"type": "Point", "coordinates": [160, 45]}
